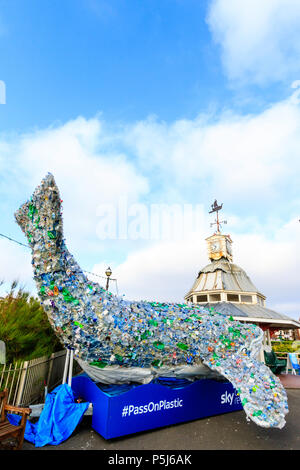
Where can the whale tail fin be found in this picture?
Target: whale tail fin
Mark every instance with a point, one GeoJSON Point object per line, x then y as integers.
{"type": "Point", "coordinates": [43, 211]}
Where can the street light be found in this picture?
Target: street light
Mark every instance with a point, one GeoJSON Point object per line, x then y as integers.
{"type": "Point", "coordinates": [108, 274]}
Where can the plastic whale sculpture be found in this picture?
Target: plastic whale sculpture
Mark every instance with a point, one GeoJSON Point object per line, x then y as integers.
{"type": "Point", "coordinates": [138, 340]}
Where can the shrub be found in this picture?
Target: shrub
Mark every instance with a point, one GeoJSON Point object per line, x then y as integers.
{"type": "Point", "coordinates": [283, 346]}
{"type": "Point", "coordinates": [24, 327]}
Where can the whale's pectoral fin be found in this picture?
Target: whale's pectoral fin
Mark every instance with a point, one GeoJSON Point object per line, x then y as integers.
{"type": "Point", "coordinates": [42, 213]}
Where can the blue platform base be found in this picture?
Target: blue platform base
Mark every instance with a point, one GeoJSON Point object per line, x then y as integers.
{"type": "Point", "coordinates": [121, 410]}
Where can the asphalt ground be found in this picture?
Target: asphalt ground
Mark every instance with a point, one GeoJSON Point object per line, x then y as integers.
{"type": "Point", "coordinates": [230, 431]}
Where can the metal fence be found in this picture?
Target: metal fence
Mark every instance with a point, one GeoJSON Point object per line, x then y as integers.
{"type": "Point", "coordinates": [10, 376]}
{"type": "Point", "coordinates": [26, 381]}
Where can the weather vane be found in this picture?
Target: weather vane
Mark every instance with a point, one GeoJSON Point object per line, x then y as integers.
{"type": "Point", "coordinates": [216, 208]}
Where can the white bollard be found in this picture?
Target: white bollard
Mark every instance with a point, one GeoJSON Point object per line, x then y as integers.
{"type": "Point", "coordinates": [66, 366]}
{"type": "Point", "coordinates": [71, 367]}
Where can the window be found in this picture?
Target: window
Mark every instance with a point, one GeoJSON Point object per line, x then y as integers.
{"type": "Point", "coordinates": [233, 298]}
{"type": "Point", "coordinates": [246, 298]}
{"type": "Point", "coordinates": [201, 298]}
{"type": "Point", "coordinates": [215, 297]}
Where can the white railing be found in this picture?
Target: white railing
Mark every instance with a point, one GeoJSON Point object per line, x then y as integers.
{"type": "Point", "coordinates": [10, 377]}
{"type": "Point", "coordinates": [27, 381]}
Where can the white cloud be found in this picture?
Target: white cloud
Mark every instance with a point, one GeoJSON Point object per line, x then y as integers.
{"type": "Point", "coordinates": [15, 266]}
{"type": "Point", "coordinates": [272, 262]}
{"type": "Point", "coordinates": [86, 172]}
{"type": "Point", "coordinates": [165, 271]}
{"type": "Point", "coordinates": [87, 175]}
{"type": "Point", "coordinates": [162, 271]}
{"type": "Point", "coordinates": [259, 39]}
{"type": "Point", "coordinates": [231, 154]}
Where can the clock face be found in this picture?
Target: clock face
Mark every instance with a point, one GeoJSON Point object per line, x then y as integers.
{"type": "Point", "coordinates": [215, 246]}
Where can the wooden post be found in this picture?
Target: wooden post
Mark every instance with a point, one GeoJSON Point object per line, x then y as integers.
{"type": "Point", "coordinates": [71, 368]}
{"type": "Point", "coordinates": [22, 382]}
{"type": "Point", "coordinates": [18, 381]}
{"type": "Point", "coordinates": [50, 369]}
{"type": "Point", "coordinates": [66, 366]}
{"type": "Point", "coordinates": [261, 354]}
{"type": "Point", "coordinates": [269, 338]}
{"type": "Point", "coordinates": [8, 374]}
{"type": "Point", "coordinates": [2, 375]}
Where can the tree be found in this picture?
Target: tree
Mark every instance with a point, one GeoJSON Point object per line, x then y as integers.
{"type": "Point", "coordinates": [24, 327]}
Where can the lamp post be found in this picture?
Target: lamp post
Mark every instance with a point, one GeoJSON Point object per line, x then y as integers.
{"type": "Point", "coordinates": [108, 274]}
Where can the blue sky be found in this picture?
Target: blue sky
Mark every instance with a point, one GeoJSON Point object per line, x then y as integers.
{"type": "Point", "coordinates": [127, 59]}
{"type": "Point", "coordinates": [169, 101]}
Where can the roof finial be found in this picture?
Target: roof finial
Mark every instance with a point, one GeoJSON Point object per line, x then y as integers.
{"type": "Point", "coordinates": [216, 208]}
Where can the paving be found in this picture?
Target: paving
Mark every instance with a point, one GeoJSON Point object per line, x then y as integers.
{"type": "Point", "coordinates": [230, 431]}
{"type": "Point", "coordinates": [290, 380]}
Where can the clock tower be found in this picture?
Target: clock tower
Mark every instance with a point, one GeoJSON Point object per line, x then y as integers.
{"type": "Point", "coordinates": [225, 287]}
{"type": "Point", "coordinates": [219, 245]}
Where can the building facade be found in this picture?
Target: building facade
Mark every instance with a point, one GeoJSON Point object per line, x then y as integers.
{"type": "Point", "coordinates": [227, 287]}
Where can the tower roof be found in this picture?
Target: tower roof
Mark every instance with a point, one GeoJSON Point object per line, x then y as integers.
{"type": "Point", "coordinates": [225, 276]}
{"type": "Point", "coordinates": [228, 288]}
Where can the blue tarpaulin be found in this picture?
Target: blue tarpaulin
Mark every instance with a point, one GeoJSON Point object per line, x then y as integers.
{"type": "Point", "coordinates": [59, 418]}
{"type": "Point", "coordinates": [113, 390]}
